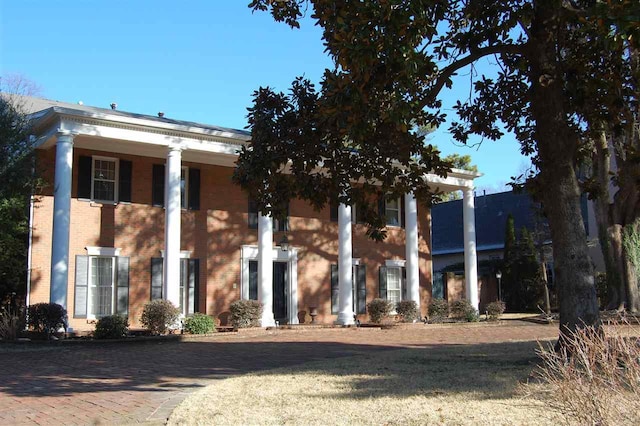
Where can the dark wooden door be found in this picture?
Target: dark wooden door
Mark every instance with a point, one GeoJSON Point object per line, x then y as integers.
{"type": "Point", "coordinates": [280, 291]}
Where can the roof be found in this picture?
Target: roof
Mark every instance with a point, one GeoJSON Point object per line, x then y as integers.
{"type": "Point", "coordinates": [491, 212]}
{"type": "Point", "coordinates": [39, 106]}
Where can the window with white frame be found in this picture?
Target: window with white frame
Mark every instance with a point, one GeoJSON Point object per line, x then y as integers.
{"type": "Point", "coordinates": [392, 211]}
{"type": "Point", "coordinates": [394, 284]}
{"type": "Point", "coordinates": [104, 179]}
{"type": "Point", "coordinates": [101, 286]}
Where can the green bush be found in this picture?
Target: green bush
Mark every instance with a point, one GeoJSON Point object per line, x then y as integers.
{"type": "Point", "coordinates": [159, 316]}
{"type": "Point", "coordinates": [462, 310]}
{"type": "Point", "coordinates": [379, 309]}
{"type": "Point", "coordinates": [495, 310]}
{"type": "Point", "coordinates": [111, 327]}
{"type": "Point", "coordinates": [438, 310]}
{"type": "Point", "coordinates": [199, 324]}
{"type": "Point", "coordinates": [47, 317]}
{"type": "Point", "coordinates": [408, 309]}
{"type": "Point", "coordinates": [246, 313]}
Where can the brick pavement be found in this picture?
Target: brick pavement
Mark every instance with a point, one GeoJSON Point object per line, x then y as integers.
{"type": "Point", "coordinates": [132, 382]}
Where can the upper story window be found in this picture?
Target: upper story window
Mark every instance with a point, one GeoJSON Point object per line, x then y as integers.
{"type": "Point", "coordinates": [104, 183]}
{"type": "Point", "coordinates": [189, 187]}
{"type": "Point", "coordinates": [393, 211]}
{"type": "Point", "coordinates": [184, 187]}
{"type": "Point", "coordinates": [104, 179]}
{"type": "Point", "coordinates": [279, 225]}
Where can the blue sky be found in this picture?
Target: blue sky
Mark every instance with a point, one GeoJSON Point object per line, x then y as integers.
{"type": "Point", "coordinates": [196, 60]}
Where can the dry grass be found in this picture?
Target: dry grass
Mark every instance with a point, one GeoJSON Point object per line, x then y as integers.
{"type": "Point", "coordinates": [446, 385]}
{"type": "Point", "coordinates": [594, 379]}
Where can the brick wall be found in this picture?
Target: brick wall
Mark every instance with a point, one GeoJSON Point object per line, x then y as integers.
{"type": "Point", "coordinates": [214, 234]}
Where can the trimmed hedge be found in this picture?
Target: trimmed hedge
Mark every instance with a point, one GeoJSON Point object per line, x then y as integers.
{"type": "Point", "coordinates": [408, 310]}
{"type": "Point", "coordinates": [379, 309]}
{"type": "Point", "coordinates": [246, 313]}
{"type": "Point", "coordinates": [438, 310]}
{"type": "Point", "coordinates": [495, 310]}
{"type": "Point", "coordinates": [111, 327]}
{"type": "Point", "coordinates": [159, 316]}
{"type": "Point", "coordinates": [462, 310]}
{"type": "Point", "coordinates": [199, 324]}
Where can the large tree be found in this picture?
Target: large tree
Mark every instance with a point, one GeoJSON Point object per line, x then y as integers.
{"type": "Point", "coordinates": [392, 60]}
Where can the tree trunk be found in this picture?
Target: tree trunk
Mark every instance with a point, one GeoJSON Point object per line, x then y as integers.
{"type": "Point", "coordinates": [557, 149]}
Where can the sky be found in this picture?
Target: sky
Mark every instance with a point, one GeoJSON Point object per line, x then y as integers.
{"type": "Point", "coordinates": [197, 60]}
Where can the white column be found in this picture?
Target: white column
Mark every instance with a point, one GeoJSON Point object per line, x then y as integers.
{"type": "Point", "coordinates": [172, 229]}
{"type": "Point", "coordinates": [345, 264]}
{"type": "Point", "coordinates": [470, 258]}
{"type": "Point", "coordinates": [411, 247]}
{"type": "Point", "coordinates": [265, 269]}
{"type": "Point", "coordinates": [61, 219]}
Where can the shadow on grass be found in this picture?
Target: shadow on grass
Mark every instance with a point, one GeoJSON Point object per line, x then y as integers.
{"type": "Point", "coordinates": [68, 370]}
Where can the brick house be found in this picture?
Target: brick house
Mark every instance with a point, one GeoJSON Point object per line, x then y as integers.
{"type": "Point", "coordinates": [142, 207]}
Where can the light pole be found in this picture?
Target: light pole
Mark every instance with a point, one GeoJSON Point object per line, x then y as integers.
{"type": "Point", "coordinates": [499, 278]}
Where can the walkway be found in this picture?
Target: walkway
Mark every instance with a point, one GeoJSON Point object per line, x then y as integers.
{"type": "Point", "coordinates": [132, 382]}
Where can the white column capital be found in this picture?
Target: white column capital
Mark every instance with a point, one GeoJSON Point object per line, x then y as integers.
{"type": "Point", "coordinates": [64, 136]}
{"type": "Point", "coordinates": [175, 147]}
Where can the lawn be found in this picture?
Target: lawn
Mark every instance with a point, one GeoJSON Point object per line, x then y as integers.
{"type": "Point", "coordinates": [440, 384]}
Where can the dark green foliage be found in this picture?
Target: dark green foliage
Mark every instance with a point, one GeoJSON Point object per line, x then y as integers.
{"type": "Point", "coordinates": [47, 317]}
{"type": "Point", "coordinates": [246, 313]}
{"type": "Point", "coordinates": [379, 309]}
{"type": "Point", "coordinates": [495, 310]}
{"type": "Point", "coordinates": [111, 327]}
{"type": "Point", "coordinates": [462, 310]}
{"type": "Point", "coordinates": [199, 324]}
{"type": "Point", "coordinates": [18, 181]}
{"type": "Point", "coordinates": [408, 310]}
{"type": "Point", "coordinates": [159, 316]}
{"type": "Point", "coordinates": [521, 276]}
{"type": "Point", "coordinates": [438, 310]}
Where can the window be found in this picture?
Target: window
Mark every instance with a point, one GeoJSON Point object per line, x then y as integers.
{"type": "Point", "coordinates": [359, 289]}
{"type": "Point", "coordinates": [189, 278]}
{"type": "Point", "coordinates": [279, 225]}
{"type": "Point", "coordinates": [392, 212]}
{"type": "Point", "coordinates": [104, 179]}
{"type": "Point", "coordinates": [189, 187]}
{"type": "Point", "coordinates": [334, 213]}
{"type": "Point", "coordinates": [394, 284]}
{"type": "Point", "coordinates": [101, 283]}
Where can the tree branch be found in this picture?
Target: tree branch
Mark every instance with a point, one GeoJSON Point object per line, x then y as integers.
{"type": "Point", "coordinates": [450, 70]}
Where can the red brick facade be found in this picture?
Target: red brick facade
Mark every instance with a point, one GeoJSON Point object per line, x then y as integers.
{"type": "Point", "coordinates": [214, 234]}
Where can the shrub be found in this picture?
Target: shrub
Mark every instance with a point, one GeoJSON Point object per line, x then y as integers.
{"type": "Point", "coordinates": [47, 317]}
{"type": "Point", "coordinates": [462, 310]}
{"type": "Point", "coordinates": [246, 313]}
{"type": "Point", "coordinates": [495, 310]}
{"type": "Point", "coordinates": [379, 309]}
{"type": "Point", "coordinates": [438, 310]}
{"type": "Point", "coordinates": [408, 309]}
{"type": "Point", "coordinates": [159, 316]}
{"type": "Point", "coordinates": [593, 378]}
{"type": "Point", "coordinates": [11, 322]}
{"type": "Point", "coordinates": [199, 324]}
{"type": "Point", "coordinates": [111, 327]}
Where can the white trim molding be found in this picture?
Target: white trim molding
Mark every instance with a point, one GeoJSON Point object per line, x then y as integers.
{"type": "Point", "coordinates": [102, 251]}
{"type": "Point", "coordinates": [395, 263]}
{"type": "Point", "coordinates": [290, 257]}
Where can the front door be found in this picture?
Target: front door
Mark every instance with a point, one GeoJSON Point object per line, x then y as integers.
{"type": "Point", "coordinates": [280, 291]}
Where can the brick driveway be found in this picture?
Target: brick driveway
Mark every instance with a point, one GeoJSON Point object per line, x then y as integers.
{"type": "Point", "coordinates": [131, 382]}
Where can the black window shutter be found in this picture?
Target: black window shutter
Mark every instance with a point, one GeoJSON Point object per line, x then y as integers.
{"type": "Point", "coordinates": [253, 214]}
{"type": "Point", "coordinates": [253, 280]}
{"type": "Point", "coordinates": [333, 207]}
{"type": "Point", "coordinates": [194, 285]}
{"type": "Point", "coordinates": [157, 194]}
{"type": "Point", "coordinates": [84, 177]}
{"type": "Point", "coordinates": [361, 278]}
{"type": "Point", "coordinates": [401, 211]}
{"type": "Point", "coordinates": [383, 282]}
{"type": "Point", "coordinates": [194, 189]}
{"type": "Point", "coordinates": [334, 289]}
{"type": "Point", "coordinates": [82, 286]}
{"type": "Point", "coordinates": [403, 283]}
{"type": "Point", "coordinates": [122, 289]}
{"type": "Point", "coordinates": [124, 186]}
{"type": "Point", "coordinates": [156, 277]}
{"type": "Point", "coordinates": [382, 207]}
